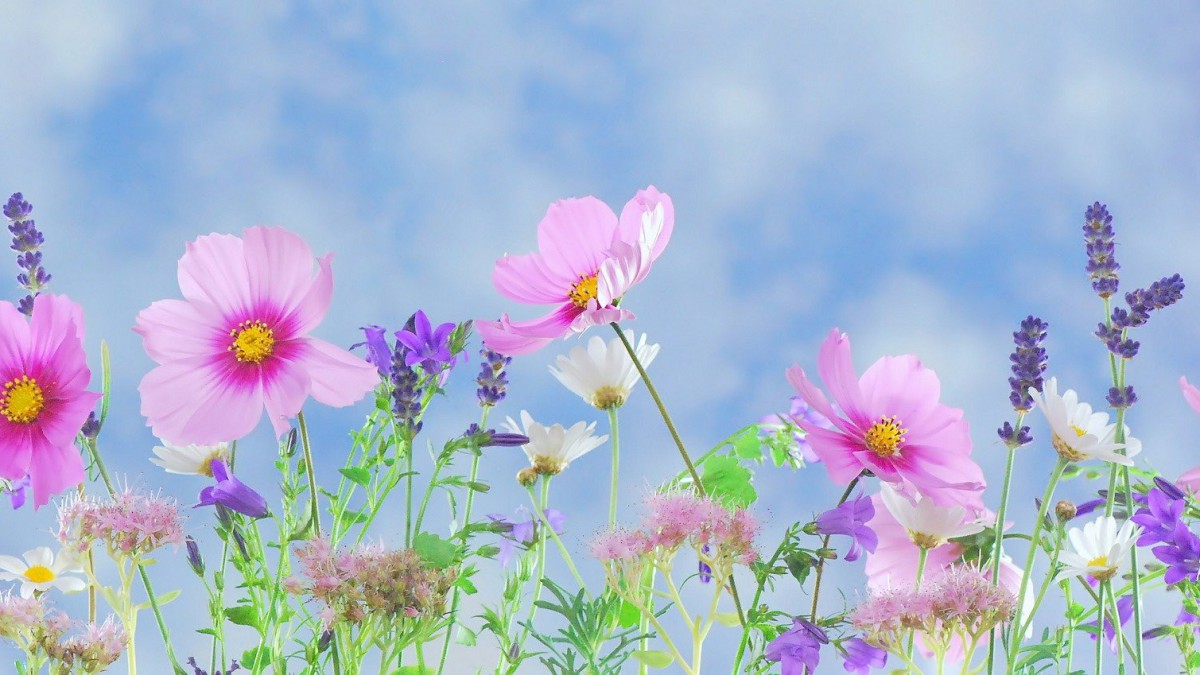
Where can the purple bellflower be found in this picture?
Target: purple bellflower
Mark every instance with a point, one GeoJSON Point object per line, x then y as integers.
{"type": "Point", "coordinates": [379, 354]}
{"type": "Point", "coordinates": [427, 345]}
{"type": "Point", "coordinates": [232, 493]}
{"type": "Point", "coordinates": [798, 649]}
{"type": "Point", "coordinates": [851, 519]}
{"type": "Point", "coordinates": [522, 529]}
{"type": "Point", "coordinates": [861, 657]}
{"type": "Point", "coordinates": [16, 492]}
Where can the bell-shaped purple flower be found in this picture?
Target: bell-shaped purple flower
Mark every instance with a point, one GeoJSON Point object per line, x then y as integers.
{"type": "Point", "coordinates": [16, 492]}
{"type": "Point", "coordinates": [851, 519]}
{"type": "Point", "coordinates": [427, 345]}
{"type": "Point", "coordinates": [798, 650]}
{"type": "Point", "coordinates": [522, 529]}
{"type": "Point", "coordinates": [232, 493]}
{"type": "Point", "coordinates": [861, 657]}
{"type": "Point", "coordinates": [379, 354]}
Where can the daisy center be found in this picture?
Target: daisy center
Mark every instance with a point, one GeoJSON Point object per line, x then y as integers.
{"type": "Point", "coordinates": [39, 574]}
{"type": "Point", "coordinates": [609, 397]}
{"type": "Point", "coordinates": [253, 342]}
{"type": "Point", "coordinates": [22, 400]}
{"type": "Point", "coordinates": [1101, 561]}
{"type": "Point", "coordinates": [583, 292]}
{"type": "Point", "coordinates": [1078, 432]}
{"type": "Point", "coordinates": [885, 436]}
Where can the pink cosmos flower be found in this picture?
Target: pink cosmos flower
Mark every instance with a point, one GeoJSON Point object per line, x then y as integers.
{"type": "Point", "coordinates": [1190, 480]}
{"type": "Point", "coordinates": [892, 424]}
{"type": "Point", "coordinates": [44, 401]}
{"type": "Point", "coordinates": [587, 260]}
{"type": "Point", "coordinates": [239, 341]}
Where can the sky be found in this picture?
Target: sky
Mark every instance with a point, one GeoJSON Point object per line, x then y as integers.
{"type": "Point", "coordinates": [914, 175]}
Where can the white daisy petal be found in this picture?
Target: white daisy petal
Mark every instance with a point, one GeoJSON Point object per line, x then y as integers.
{"type": "Point", "coordinates": [603, 374]}
{"type": "Point", "coordinates": [552, 448]}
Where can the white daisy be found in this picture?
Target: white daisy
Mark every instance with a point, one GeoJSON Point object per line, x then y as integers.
{"type": "Point", "coordinates": [928, 525]}
{"type": "Point", "coordinates": [552, 448]}
{"type": "Point", "coordinates": [1100, 548]}
{"type": "Point", "coordinates": [1079, 433]}
{"type": "Point", "coordinates": [603, 375]}
{"type": "Point", "coordinates": [189, 459]}
{"type": "Point", "coordinates": [41, 571]}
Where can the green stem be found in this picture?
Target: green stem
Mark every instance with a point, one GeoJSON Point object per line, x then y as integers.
{"type": "Point", "coordinates": [562, 549]}
{"type": "Point", "coordinates": [921, 562]}
{"type": "Point", "coordinates": [825, 544]}
{"type": "Point", "coordinates": [998, 533]}
{"type": "Point", "coordinates": [1066, 588]}
{"type": "Point", "coordinates": [614, 436]}
{"type": "Point", "coordinates": [541, 568]}
{"type": "Point", "coordinates": [760, 585]}
{"type": "Point", "coordinates": [311, 470]}
{"type": "Point", "coordinates": [1100, 636]}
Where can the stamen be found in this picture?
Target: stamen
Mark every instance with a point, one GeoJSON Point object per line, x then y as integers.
{"type": "Point", "coordinates": [253, 342]}
{"type": "Point", "coordinates": [22, 400]}
{"type": "Point", "coordinates": [583, 292]}
{"type": "Point", "coordinates": [885, 437]}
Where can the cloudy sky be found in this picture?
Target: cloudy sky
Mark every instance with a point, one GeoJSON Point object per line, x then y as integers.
{"type": "Point", "coordinates": [916, 176]}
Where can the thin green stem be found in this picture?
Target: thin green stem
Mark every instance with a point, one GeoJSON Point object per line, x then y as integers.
{"type": "Point", "coordinates": [998, 533]}
{"type": "Point", "coordinates": [1100, 636]}
{"type": "Point", "coordinates": [614, 437]}
{"type": "Point", "coordinates": [760, 585]}
{"type": "Point", "coordinates": [922, 560]}
{"type": "Point", "coordinates": [541, 568]}
{"type": "Point", "coordinates": [311, 471]}
{"type": "Point", "coordinates": [562, 549]}
{"type": "Point", "coordinates": [825, 544]}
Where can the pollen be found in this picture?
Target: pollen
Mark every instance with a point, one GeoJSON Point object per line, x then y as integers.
{"type": "Point", "coordinates": [22, 400]}
{"type": "Point", "coordinates": [1104, 574]}
{"type": "Point", "coordinates": [885, 437]}
{"type": "Point", "coordinates": [253, 342]}
{"type": "Point", "coordinates": [39, 574]}
{"type": "Point", "coordinates": [583, 292]}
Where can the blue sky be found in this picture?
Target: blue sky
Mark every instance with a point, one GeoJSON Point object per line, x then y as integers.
{"type": "Point", "coordinates": [914, 175]}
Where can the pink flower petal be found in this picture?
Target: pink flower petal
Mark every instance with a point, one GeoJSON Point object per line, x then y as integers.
{"type": "Point", "coordinates": [499, 337]}
{"type": "Point", "coordinates": [655, 233]}
{"type": "Point", "coordinates": [902, 387]}
{"type": "Point", "coordinates": [285, 389]}
{"type": "Point", "coordinates": [574, 236]}
{"type": "Point", "coordinates": [53, 467]}
{"type": "Point", "coordinates": [201, 402]}
{"type": "Point", "coordinates": [16, 447]}
{"type": "Point", "coordinates": [837, 371]}
{"type": "Point", "coordinates": [176, 329]}
{"type": "Point", "coordinates": [527, 278]}
{"type": "Point", "coordinates": [339, 378]}
{"type": "Point", "coordinates": [278, 265]}
{"type": "Point", "coordinates": [626, 267]}
{"type": "Point", "coordinates": [837, 452]}
{"type": "Point", "coordinates": [1191, 393]}
{"type": "Point", "coordinates": [15, 349]}
{"type": "Point", "coordinates": [213, 272]}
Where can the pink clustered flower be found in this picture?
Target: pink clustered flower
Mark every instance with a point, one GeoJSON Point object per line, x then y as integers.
{"type": "Point", "coordinates": [369, 583]}
{"type": "Point", "coordinates": [20, 616]}
{"type": "Point", "coordinates": [676, 518]}
{"type": "Point", "coordinates": [37, 630]}
{"type": "Point", "coordinates": [960, 604]}
{"type": "Point", "coordinates": [239, 340]}
{"type": "Point", "coordinates": [93, 650]}
{"type": "Point", "coordinates": [128, 524]}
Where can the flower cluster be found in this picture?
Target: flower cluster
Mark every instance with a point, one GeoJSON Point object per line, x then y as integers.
{"type": "Point", "coordinates": [1161, 520]}
{"type": "Point", "coordinates": [1028, 362]}
{"type": "Point", "coordinates": [370, 583]}
{"type": "Point", "coordinates": [26, 240]}
{"type": "Point", "coordinates": [1102, 263]}
{"type": "Point", "coordinates": [38, 631]}
{"type": "Point", "coordinates": [129, 524]}
{"type": "Point", "coordinates": [97, 647]}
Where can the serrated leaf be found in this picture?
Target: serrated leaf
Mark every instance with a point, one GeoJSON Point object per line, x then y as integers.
{"type": "Point", "coordinates": [434, 550]}
{"type": "Point", "coordinates": [242, 615]}
{"type": "Point", "coordinates": [356, 474]}
{"type": "Point", "coordinates": [654, 658]}
{"type": "Point", "coordinates": [727, 480]}
{"type": "Point", "coordinates": [748, 445]}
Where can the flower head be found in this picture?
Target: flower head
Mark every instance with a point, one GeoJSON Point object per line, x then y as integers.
{"type": "Point", "coordinates": [232, 493]}
{"type": "Point", "coordinates": [128, 524]}
{"type": "Point", "coordinates": [26, 240]}
{"type": "Point", "coordinates": [1101, 549]}
{"type": "Point", "coordinates": [239, 340]}
{"type": "Point", "coordinates": [552, 448]}
{"type": "Point", "coordinates": [522, 529]}
{"type": "Point", "coordinates": [1028, 362]}
{"type": "Point", "coordinates": [798, 649]}
{"type": "Point", "coordinates": [427, 345]}
{"type": "Point", "coordinates": [1102, 264]}
{"type": "Point", "coordinates": [851, 519]}
{"type": "Point", "coordinates": [191, 460]}
{"type": "Point", "coordinates": [861, 656]}
{"type": "Point", "coordinates": [41, 570]}
{"type": "Point", "coordinates": [892, 424]}
{"type": "Point", "coordinates": [587, 260]}
{"type": "Point", "coordinates": [1079, 433]}
{"type": "Point", "coordinates": [928, 525]}
{"type": "Point", "coordinates": [604, 375]}
{"type": "Point", "coordinates": [43, 398]}
{"type": "Point", "coordinates": [492, 378]}
{"type": "Point", "coordinates": [379, 352]}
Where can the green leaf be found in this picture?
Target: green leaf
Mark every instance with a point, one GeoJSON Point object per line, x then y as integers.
{"type": "Point", "coordinates": [799, 564]}
{"type": "Point", "coordinates": [349, 518]}
{"type": "Point", "coordinates": [727, 480]}
{"type": "Point", "coordinates": [242, 615]}
{"type": "Point", "coordinates": [747, 445]}
{"type": "Point", "coordinates": [434, 550]}
{"type": "Point", "coordinates": [466, 637]}
{"type": "Point", "coordinates": [413, 670]}
{"type": "Point", "coordinates": [206, 631]}
{"type": "Point", "coordinates": [630, 615]}
{"type": "Point", "coordinates": [654, 658]}
{"type": "Point", "coordinates": [729, 619]}
{"type": "Point", "coordinates": [356, 474]}
{"type": "Point", "coordinates": [257, 658]}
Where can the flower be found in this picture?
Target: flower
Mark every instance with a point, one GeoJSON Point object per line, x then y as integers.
{"type": "Point", "coordinates": [239, 340]}
{"type": "Point", "coordinates": [192, 460]}
{"type": "Point", "coordinates": [523, 529]}
{"type": "Point", "coordinates": [851, 519]}
{"type": "Point", "coordinates": [861, 656]}
{"type": "Point", "coordinates": [42, 570]}
{"type": "Point", "coordinates": [1100, 548]}
{"type": "Point", "coordinates": [26, 240]}
{"type": "Point", "coordinates": [927, 524]}
{"type": "Point", "coordinates": [1102, 264]}
{"type": "Point", "coordinates": [379, 353]}
{"type": "Point", "coordinates": [127, 524]}
{"type": "Point", "coordinates": [603, 375]}
{"type": "Point", "coordinates": [232, 493]}
{"type": "Point", "coordinates": [1190, 393]}
{"type": "Point", "coordinates": [1159, 517]}
{"type": "Point", "coordinates": [587, 260]}
{"type": "Point", "coordinates": [44, 401]}
{"type": "Point", "coordinates": [427, 346]}
{"type": "Point", "coordinates": [1181, 554]}
{"type": "Point", "coordinates": [552, 448]}
{"type": "Point", "coordinates": [1079, 433]}
{"type": "Point", "coordinates": [893, 425]}
{"type": "Point", "coordinates": [772, 425]}
{"type": "Point", "coordinates": [1124, 612]}
{"type": "Point", "coordinates": [492, 378]}
{"type": "Point", "coordinates": [798, 649]}
{"type": "Point", "coordinates": [16, 492]}
{"type": "Point", "coordinates": [1029, 362]}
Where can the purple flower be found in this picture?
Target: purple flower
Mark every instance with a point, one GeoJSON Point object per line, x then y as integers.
{"type": "Point", "coordinates": [851, 519]}
{"type": "Point", "coordinates": [26, 240]}
{"type": "Point", "coordinates": [232, 493]}
{"type": "Point", "coordinates": [1102, 264]}
{"type": "Point", "coordinates": [200, 671]}
{"type": "Point", "coordinates": [1181, 554]}
{"type": "Point", "coordinates": [705, 569]}
{"type": "Point", "coordinates": [1028, 362]}
{"type": "Point", "coordinates": [16, 492]}
{"type": "Point", "coordinates": [798, 649]}
{"type": "Point", "coordinates": [379, 354]}
{"type": "Point", "coordinates": [1124, 611]}
{"type": "Point", "coordinates": [800, 412]}
{"type": "Point", "coordinates": [1158, 518]}
{"type": "Point", "coordinates": [488, 438]}
{"type": "Point", "coordinates": [427, 346]}
{"type": "Point", "coordinates": [861, 657]}
{"type": "Point", "coordinates": [522, 529]}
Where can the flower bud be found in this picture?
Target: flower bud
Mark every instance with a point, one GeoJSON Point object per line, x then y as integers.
{"type": "Point", "coordinates": [1065, 510]}
{"type": "Point", "coordinates": [193, 556]}
{"type": "Point", "coordinates": [527, 476]}
{"type": "Point", "coordinates": [827, 553]}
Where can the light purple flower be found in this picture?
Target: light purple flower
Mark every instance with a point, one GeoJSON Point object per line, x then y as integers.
{"type": "Point", "coordinates": [379, 354]}
{"type": "Point", "coordinates": [522, 529]}
{"type": "Point", "coordinates": [427, 346]}
{"type": "Point", "coordinates": [800, 412]}
{"type": "Point", "coordinates": [851, 519]}
{"type": "Point", "coordinates": [705, 568]}
{"type": "Point", "coordinates": [799, 649]}
{"type": "Point", "coordinates": [1124, 612]}
{"type": "Point", "coordinates": [861, 657]}
{"type": "Point", "coordinates": [1158, 518]}
{"type": "Point", "coordinates": [16, 492]}
{"type": "Point", "coordinates": [232, 493]}
{"type": "Point", "coordinates": [1181, 553]}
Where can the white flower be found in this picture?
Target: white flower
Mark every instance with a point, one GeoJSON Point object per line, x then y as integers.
{"type": "Point", "coordinates": [604, 374]}
{"type": "Point", "coordinates": [189, 459]}
{"type": "Point", "coordinates": [552, 448]}
{"type": "Point", "coordinates": [41, 571]}
{"type": "Point", "coordinates": [928, 525]}
{"type": "Point", "coordinates": [1079, 433]}
{"type": "Point", "coordinates": [1100, 548]}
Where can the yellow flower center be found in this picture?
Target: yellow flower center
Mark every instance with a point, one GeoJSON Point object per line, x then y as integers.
{"type": "Point", "coordinates": [608, 398]}
{"type": "Point", "coordinates": [925, 541]}
{"type": "Point", "coordinates": [1078, 432]}
{"type": "Point", "coordinates": [885, 436]}
{"type": "Point", "coordinates": [22, 400]}
{"type": "Point", "coordinates": [253, 342]}
{"type": "Point", "coordinates": [1105, 574]}
{"type": "Point", "coordinates": [583, 292]}
{"type": "Point", "coordinates": [1064, 449]}
{"type": "Point", "coordinates": [39, 574]}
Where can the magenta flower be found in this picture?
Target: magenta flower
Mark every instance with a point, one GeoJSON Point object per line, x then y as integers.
{"type": "Point", "coordinates": [587, 260]}
{"type": "Point", "coordinates": [893, 425]}
{"type": "Point", "coordinates": [44, 401]}
{"type": "Point", "coordinates": [238, 341]}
